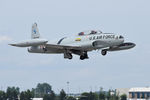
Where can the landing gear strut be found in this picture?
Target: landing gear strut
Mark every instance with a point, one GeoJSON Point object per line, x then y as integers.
{"type": "Point", "coordinates": [104, 52]}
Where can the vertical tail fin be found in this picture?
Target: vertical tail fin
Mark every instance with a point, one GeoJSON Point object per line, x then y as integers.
{"type": "Point", "coordinates": [35, 32]}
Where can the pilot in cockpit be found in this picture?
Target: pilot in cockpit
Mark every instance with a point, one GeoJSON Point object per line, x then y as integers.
{"type": "Point", "coordinates": [81, 33]}
{"type": "Point", "coordinates": [93, 32]}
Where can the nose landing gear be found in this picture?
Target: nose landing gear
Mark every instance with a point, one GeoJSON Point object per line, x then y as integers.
{"type": "Point", "coordinates": [104, 52]}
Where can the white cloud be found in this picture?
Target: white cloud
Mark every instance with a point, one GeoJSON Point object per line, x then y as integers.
{"type": "Point", "coordinates": [4, 39]}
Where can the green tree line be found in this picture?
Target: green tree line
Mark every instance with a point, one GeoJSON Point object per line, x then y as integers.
{"type": "Point", "coordinates": [45, 91]}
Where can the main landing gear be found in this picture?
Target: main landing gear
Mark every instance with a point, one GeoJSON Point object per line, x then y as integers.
{"type": "Point", "coordinates": [68, 55]}
{"type": "Point", "coordinates": [84, 56]}
{"type": "Point", "coordinates": [104, 52]}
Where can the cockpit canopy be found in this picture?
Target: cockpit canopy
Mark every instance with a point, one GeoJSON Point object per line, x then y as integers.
{"type": "Point", "coordinates": [90, 32]}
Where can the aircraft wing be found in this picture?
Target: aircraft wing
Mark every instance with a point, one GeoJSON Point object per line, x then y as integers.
{"type": "Point", "coordinates": [98, 44]}
{"type": "Point", "coordinates": [62, 47]}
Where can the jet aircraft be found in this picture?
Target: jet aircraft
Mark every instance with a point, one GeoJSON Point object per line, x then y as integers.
{"type": "Point", "coordinates": [80, 44]}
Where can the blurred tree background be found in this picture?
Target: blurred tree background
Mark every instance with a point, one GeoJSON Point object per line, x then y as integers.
{"type": "Point", "coordinates": [44, 90]}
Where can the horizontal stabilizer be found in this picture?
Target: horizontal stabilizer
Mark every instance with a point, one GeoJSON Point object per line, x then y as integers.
{"type": "Point", "coordinates": [32, 42]}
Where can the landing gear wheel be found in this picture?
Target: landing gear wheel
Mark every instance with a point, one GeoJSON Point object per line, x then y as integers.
{"type": "Point", "coordinates": [70, 56]}
{"type": "Point", "coordinates": [104, 52]}
{"type": "Point", "coordinates": [82, 57]}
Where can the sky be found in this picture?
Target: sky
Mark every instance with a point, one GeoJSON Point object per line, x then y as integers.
{"type": "Point", "coordinates": [60, 18]}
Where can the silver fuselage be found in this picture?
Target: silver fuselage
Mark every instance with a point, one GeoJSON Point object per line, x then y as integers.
{"type": "Point", "coordinates": [85, 41]}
